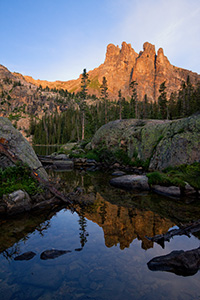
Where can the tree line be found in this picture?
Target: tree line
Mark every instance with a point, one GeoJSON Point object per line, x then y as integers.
{"type": "Point", "coordinates": [80, 122]}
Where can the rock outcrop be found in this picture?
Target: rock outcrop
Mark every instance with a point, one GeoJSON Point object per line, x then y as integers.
{"type": "Point", "coordinates": [159, 144]}
{"type": "Point", "coordinates": [184, 263]}
{"type": "Point", "coordinates": [123, 65]}
{"type": "Point", "coordinates": [17, 145]}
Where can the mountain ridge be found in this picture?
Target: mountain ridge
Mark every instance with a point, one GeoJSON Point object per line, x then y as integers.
{"type": "Point", "coordinates": [123, 65]}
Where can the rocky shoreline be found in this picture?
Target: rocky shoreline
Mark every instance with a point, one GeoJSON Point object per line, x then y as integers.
{"type": "Point", "coordinates": [125, 177]}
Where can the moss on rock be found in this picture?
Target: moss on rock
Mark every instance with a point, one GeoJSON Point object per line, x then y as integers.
{"type": "Point", "coordinates": [161, 143]}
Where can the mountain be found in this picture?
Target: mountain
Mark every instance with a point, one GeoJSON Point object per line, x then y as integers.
{"type": "Point", "coordinates": [123, 65]}
{"type": "Point", "coordinates": [20, 99]}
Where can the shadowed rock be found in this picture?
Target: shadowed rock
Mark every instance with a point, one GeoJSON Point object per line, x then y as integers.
{"type": "Point", "coordinates": [184, 263]}
{"type": "Point", "coordinates": [51, 254]}
{"type": "Point", "coordinates": [19, 147]}
{"type": "Point", "coordinates": [25, 256]}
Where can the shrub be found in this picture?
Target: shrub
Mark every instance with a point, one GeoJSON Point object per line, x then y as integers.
{"type": "Point", "coordinates": [18, 177]}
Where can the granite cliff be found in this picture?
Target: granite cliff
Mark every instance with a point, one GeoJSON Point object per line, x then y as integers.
{"type": "Point", "coordinates": [123, 65]}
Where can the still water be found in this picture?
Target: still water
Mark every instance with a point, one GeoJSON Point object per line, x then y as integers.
{"type": "Point", "coordinates": [108, 249]}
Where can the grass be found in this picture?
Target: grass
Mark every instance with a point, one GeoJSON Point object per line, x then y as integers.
{"type": "Point", "coordinates": [177, 176]}
{"type": "Point", "coordinates": [110, 157]}
{"type": "Point", "coordinates": [94, 83]}
{"type": "Point", "coordinates": [18, 177]}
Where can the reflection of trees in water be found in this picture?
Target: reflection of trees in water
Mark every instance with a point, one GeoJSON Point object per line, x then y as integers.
{"type": "Point", "coordinates": [102, 211]}
{"type": "Point", "coordinates": [118, 211]}
{"type": "Point", "coordinates": [10, 253]}
{"type": "Point", "coordinates": [83, 234]}
{"type": "Point", "coordinates": [42, 227]}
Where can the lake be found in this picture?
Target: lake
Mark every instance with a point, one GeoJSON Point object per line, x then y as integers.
{"type": "Point", "coordinates": [107, 241]}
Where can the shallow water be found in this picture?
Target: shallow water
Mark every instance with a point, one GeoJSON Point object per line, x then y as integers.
{"type": "Point", "coordinates": [109, 250]}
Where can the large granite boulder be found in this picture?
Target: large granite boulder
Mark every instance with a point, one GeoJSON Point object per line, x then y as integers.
{"type": "Point", "coordinates": [17, 145]}
{"type": "Point", "coordinates": [158, 143]}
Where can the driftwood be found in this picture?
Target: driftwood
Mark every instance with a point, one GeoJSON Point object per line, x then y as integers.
{"type": "Point", "coordinates": [4, 149]}
{"type": "Point", "coordinates": [187, 229]}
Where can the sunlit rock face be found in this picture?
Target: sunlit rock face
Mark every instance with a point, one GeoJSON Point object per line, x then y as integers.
{"type": "Point", "coordinates": [123, 65]}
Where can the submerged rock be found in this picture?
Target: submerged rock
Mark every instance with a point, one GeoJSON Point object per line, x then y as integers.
{"type": "Point", "coordinates": [131, 182]}
{"type": "Point", "coordinates": [53, 253]}
{"type": "Point", "coordinates": [185, 263]}
{"type": "Point", "coordinates": [25, 256]}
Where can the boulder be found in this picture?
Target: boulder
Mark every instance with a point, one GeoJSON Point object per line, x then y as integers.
{"type": "Point", "coordinates": [53, 253]}
{"type": "Point", "coordinates": [131, 182]}
{"type": "Point", "coordinates": [155, 142]}
{"type": "Point", "coordinates": [118, 173]}
{"type": "Point", "coordinates": [63, 164]}
{"type": "Point", "coordinates": [17, 202]}
{"type": "Point", "coordinates": [173, 191]}
{"type": "Point", "coordinates": [18, 146]}
{"type": "Point", "coordinates": [185, 263]}
{"type": "Point", "coordinates": [69, 146]}
{"type": "Point", "coordinates": [25, 256]}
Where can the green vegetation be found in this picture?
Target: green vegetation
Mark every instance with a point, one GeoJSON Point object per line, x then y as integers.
{"type": "Point", "coordinates": [94, 83]}
{"type": "Point", "coordinates": [178, 176]}
{"type": "Point", "coordinates": [18, 177]}
{"type": "Point", "coordinates": [75, 124]}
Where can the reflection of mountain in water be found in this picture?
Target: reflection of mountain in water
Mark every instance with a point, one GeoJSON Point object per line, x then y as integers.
{"type": "Point", "coordinates": [123, 216]}
{"type": "Point", "coordinates": [122, 225]}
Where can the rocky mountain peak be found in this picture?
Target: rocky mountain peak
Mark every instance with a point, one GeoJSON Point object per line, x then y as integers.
{"type": "Point", "coordinates": [123, 65]}
{"type": "Point", "coordinates": [149, 49]}
{"type": "Point", "coordinates": [111, 53]}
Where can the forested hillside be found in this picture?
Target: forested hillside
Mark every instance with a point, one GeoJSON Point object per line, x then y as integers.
{"type": "Point", "coordinates": [68, 125]}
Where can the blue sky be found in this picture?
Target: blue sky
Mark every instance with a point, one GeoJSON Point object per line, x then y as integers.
{"type": "Point", "coordinates": [57, 39]}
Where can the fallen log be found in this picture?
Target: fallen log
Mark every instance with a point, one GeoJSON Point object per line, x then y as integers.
{"type": "Point", "coordinates": [4, 149]}
{"type": "Point", "coordinates": [187, 230]}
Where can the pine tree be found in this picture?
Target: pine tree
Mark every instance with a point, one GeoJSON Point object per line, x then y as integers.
{"type": "Point", "coordinates": [134, 100]}
{"type": "Point", "coordinates": [104, 95]}
{"type": "Point", "coordinates": [172, 106]}
{"type": "Point", "coordinates": [120, 104]}
{"type": "Point", "coordinates": [162, 100]}
{"type": "Point", "coordinates": [84, 83]}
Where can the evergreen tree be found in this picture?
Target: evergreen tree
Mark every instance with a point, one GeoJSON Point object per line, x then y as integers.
{"type": "Point", "coordinates": [134, 100]}
{"type": "Point", "coordinates": [120, 104]}
{"type": "Point", "coordinates": [145, 107]}
{"type": "Point", "coordinates": [162, 100]}
{"type": "Point", "coordinates": [172, 106]}
{"type": "Point", "coordinates": [84, 83]}
{"type": "Point", "coordinates": [104, 95]}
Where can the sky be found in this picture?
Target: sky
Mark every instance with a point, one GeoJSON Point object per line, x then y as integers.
{"type": "Point", "coordinates": [57, 39]}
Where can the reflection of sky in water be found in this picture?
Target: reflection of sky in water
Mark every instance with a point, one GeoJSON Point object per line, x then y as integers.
{"type": "Point", "coordinates": [101, 270]}
{"type": "Point", "coordinates": [96, 272]}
